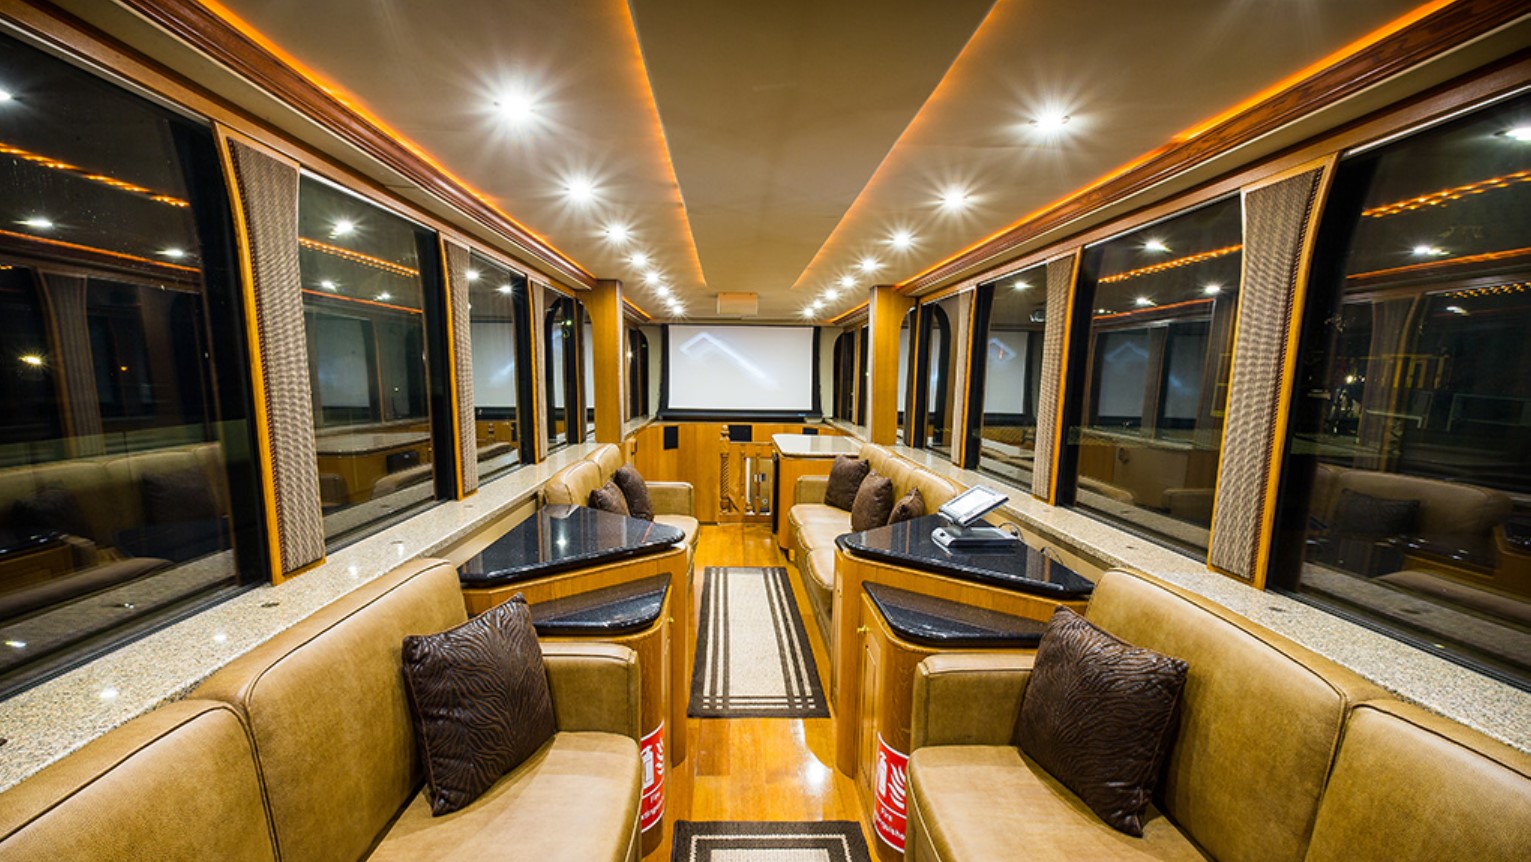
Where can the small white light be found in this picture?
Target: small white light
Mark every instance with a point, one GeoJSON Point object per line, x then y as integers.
{"type": "Point", "coordinates": [580, 189]}
{"type": "Point", "coordinates": [33, 360]}
{"type": "Point", "coordinates": [1143, 302]}
{"type": "Point", "coordinates": [901, 240]}
{"type": "Point", "coordinates": [327, 284]}
{"type": "Point", "coordinates": [516, 107]}
{"type": "Point", "coordinates": [1349, 379]}
{"type": "Point", "coordinates": [1021, 285]}
{"type": "Point", "coordinates": [1519, 133]}
{"type": "Point", "coordinates": [1102, 311]}
{"type": "Point", "coordinates": [384, 296]}
{"type": "Point", "coordinates": [662, 291]}
{"type": "Point", "coordinates": [1456, 309]}
{"type": "Point", "coordinates": [808, 311]}
{"type": "Point", "coordinates": [617, 233]}
{"type": "Point", "coordinates": [174, 253]}
{"type": "Point", "coordinates": [343, 227]}
{"type": "Point", "coordinates": [847, 281]}
{"type": "Point", "coordinates": [472, 275]}
{"type": "Point", "coordinates": [651, 278]}
{"type": "Point", "coordinates": [1156, 245]}
{"type": "Point", "coordinates": [869, 264]}
{"type": "Point", "coordinates": [1428, 251]}
{"type": "Point", "coordinates": [831, 295]}
{"type": "Point", "coordinates": [954, 198]}
{"type": "Point", "coordinates": [108, 693]}
{"type": "Point", "coordinates": [1212, 289]}
{"type": "Point", "coordinates": [38, 222]}
{"type": "Point", "coordinates": [220, 638]}
{"type": "Point", "coordinates": [506, 289]}
{"type": "Point", "coordinates": [6, 95]}
{"type": "Point", "coordinates": [1050, 123]}
{"type": "Point", "coordinates": [15, 644]}
{"type": "Point", "coordinates": [638, 259]}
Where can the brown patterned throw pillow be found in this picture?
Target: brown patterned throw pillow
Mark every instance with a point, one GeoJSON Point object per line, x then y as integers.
{"type": "Point", "coordinates": [1098, 715]}
{"type": "Point", "coordinates": [874, 500]}
{"type": "Point", "coordinates": [844, 480]}
{"type": "Point", "coordinates": [908, 507]}
{"type": "Point", "coordinates": [480, 700]}
{"type": "Point", "coordinates": [608, 498]}
{"type": "Point", "coordinates": [636, 491]}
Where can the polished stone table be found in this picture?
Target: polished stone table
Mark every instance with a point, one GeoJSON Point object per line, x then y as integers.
{"type": "Point", "coordinates": [1025, 568]}
{"type": "Point", "coordinates": [619, 610]}
{"type": "Point", "coordinates": [561, 539]}
{"type": "Point", "coordinates": [945, 624]}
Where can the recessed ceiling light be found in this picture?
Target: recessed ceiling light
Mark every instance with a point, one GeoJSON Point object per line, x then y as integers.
{"type": "Point", "coordinates": [38, 222]}
{"type": "Point", "coordinates": [173, 253]}
{"type": "Point", "coordinates": [327, 284]}
{"type": "Point", "coordinates": [869, 264]}
{"type": "Point", "coordinates": [1143, 302]}
{"type": "Point", "coordinates": [1156, 245]}
{"type": "Point", "coordinates": [901, 239]}
{"type": "Point", "coordinates": [1021, 285]}
{"type": "Point", "coordinates": [954, 198]}
{"type": "Point", "coordinates": [1050, 122]}
{"type": "Point", "coordinates": [638, 259]}
{"type": "Point", "coordinates": [580, 189]}
{"type": "Point", "coordinates": [33, 360]}
{"type": "Point", "coordinates": [831, 295]}
{"type": "Point", "coordinates": [1212, 289]}
{"type": "Point", "coordinates": [661, 290]}
{"type": "Point", "coordinates": [343, 227]}
{"type": "Point", "coordinates": [808, 311]}
{"type": "Point", "coordinates": [617, 233]}
{"type": "Point", "coordinates": [1519, 133]}
{"type": "Point", "coordinates": [506, 289]}
{"type": "Point", "coordinates": [847, 281]}
{"type": "Point", "coordinates": [651, 278]}
{"type": "Point", "coordinates": [516, 107]}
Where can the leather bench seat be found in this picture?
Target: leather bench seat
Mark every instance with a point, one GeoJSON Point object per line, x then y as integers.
{"type": "Point", "coordinates": [572, 486]}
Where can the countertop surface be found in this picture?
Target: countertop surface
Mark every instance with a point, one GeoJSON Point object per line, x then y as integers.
{"type": "Point", "coordinates": [815, 445]}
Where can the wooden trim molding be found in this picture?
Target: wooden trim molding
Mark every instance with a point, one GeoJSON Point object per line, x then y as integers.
{"type": "Point", "coordinates": [1449, 27]}
{"type": "Point", "coordinates": [204, 30]}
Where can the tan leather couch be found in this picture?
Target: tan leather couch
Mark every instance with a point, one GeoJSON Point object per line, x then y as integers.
{"type": "Point", "coordinates": [1280, 755]}
{"type": "Point", "coordinates": [814, 525]}
{"type": "Point", "coordinates": [304, 750]}
{"type": "Point", "coordinates": [572, 486]}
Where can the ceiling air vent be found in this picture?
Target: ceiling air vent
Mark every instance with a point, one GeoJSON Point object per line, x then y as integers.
{"type": "Point", "coordinates": [738, 304]}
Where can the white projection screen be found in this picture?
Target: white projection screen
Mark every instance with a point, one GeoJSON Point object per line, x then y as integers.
{"type": "Point", "coordinates": [753, 369]}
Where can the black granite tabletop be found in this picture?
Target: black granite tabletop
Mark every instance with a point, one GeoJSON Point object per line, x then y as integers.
{"type": "Point", "coordinates": [927, 620]}
{"type": "Point", "coordinates": [560, 538]}
{"type": "Point", "coordinates": [1024, 569]}
{"type": "Point", "coordinates": [622, 609]}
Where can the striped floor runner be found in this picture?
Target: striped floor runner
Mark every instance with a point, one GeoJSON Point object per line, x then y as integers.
{"type": "Point", "coordinates": [827, 841]}
{"type": "Point", "coordinates": [752, 653]}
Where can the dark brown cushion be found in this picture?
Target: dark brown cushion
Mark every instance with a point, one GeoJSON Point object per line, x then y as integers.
{"type": "Point", "coordinates": [908, 507]}
{"type": "Point", "coordinates": [52, 509]}
{"type": "Point", "coordinates": [608, 498]}
{"type": "Point", "coordinates": [636, 491]}
{"type": "Point", "coordinates": [1098, 715]}
{"type": "Point", "coordinates": [480, 702]}
{"type": "Point", "coordinates": [873, 503]}
{"type": "Point", "coordinates": [1364, 516]}
{"type": "Point", "coordinates": [177, 496]}
{"type": "Point", "coordinates": [844, 480]}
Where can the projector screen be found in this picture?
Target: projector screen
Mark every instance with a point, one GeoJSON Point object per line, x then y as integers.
{"type": "Point", "coordinates": [741, 368]}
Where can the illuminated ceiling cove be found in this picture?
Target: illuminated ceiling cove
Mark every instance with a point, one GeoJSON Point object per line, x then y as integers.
{"type": "Point", "coordinates": [800, 150]}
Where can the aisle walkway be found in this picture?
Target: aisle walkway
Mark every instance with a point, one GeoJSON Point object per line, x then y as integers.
{"type": "Point", "coordinates": [756, 768]}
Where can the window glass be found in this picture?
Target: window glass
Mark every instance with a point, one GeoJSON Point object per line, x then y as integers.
{"type": "Point", "coordinates": [127, 494]}
{"type": "Point", "coordinates": [1148, 428]}
{"type": "Point", "coordinates": [363, 306]}
{"type": "Point", "coordinates": [905, 371]}
{"type": "Point", "coordinates": [864, 375]}
{"type": "Point", "coordinates": [587, 362]}
{"type": "Point", "coordinates": [563, 378]}
{"type": "Point", "coordinates": [637, 373]}
{"type": "Point", "coordinates": [1012, 370]}
{"type": "Point", "coordinates": [496, 304]}
{"type": "Point", "coordinates": [941, 406]}
{"type": "Point", "coordinates": [1407, 494]}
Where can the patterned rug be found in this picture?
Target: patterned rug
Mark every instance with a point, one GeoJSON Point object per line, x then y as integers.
{"type": "Point", "coordinates": [752, 654]}
{"type": "Point", "coordinates": [829, 841]}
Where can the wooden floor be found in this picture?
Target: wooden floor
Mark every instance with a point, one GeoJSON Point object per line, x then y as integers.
{"type": "Point", "coordinates": [757, 768]}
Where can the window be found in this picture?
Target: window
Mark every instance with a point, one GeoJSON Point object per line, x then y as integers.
{"type": "Point", "coordinates": [844, 356]}
{"type": "Point", "coordinates": [1011, 356]}
{"type": "Point", "coordinates": [637, 373]}
{"type": "Point", "coordinates": [1407, 489]}
{"type": "Point", "coordinates": [561, 336]}
{"type": "Point", "coordinates": [497, 318]}
{"type": "Point", "coordinates": [906, 370]}
{"type": "Point", "coordinates": [364, 308]}
{"type": "Point", "coordinates": [940, 323]}
{"type": "Point", "coordinates": [121, 507]}
{"type": "Point", "coordinates": [1148, 428]}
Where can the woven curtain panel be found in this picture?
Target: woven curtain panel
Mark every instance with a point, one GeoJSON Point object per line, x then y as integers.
{"type": "Point", "coordinates": [1060, 278]}
{"type": "Point", "coordinates": [268, 198]}
{"type": "Point", "coordinates": [1275, 220]}
{"type": "Point", "coordinates": [66, 299]}
{"type": "Point", "coordinates": [462, 353]}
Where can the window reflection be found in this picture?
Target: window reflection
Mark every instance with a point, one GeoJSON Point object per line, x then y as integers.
{"type": "Point", "coordinates": [1412, 428]}
{"type": "Point", "coordinates": [1161, 303]}
{"type": "Point", "coordinates": [940, 410]}
{"type": "Point", "coordinates": [637, 373]}
{"type": "Point", "coordinates": [119, 509]}
{"type": "Point", "coordinates": [363, 305]}
{"type": "Point", "coordinates": [496, 308]}
{"type": "Point", "coordinates": [1012, 370]}
{"type": "Point", "coordinates": [563, 378]}
{"type": "Point", "coordinates": [905, 370]}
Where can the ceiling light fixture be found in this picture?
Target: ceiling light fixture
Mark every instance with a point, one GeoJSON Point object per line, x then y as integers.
{"type": "Point", "coordinates": [38, 223]}
{"type": "Point", "coordinates": [1519, 133]}
{"type": "Point", "coordinates": [580, 189]}
{"type": "Point", "coordinates": [1050, 122]}
{"type": "Point", "coordinates": [33, 360]}
{"type": "Point", "coordinates": [638, 259]}
{"type": "Point", "coordinates": [901, 239]}
{"type": "Point", "coordinates": [516, 107]}
{"type": "Point", "coordinates": [651, 278]}
{"type": "Point", "coordinates": [343, 227]}
{"type": "Point", "coordinates": [1156, 245]}
{"type": "Point", "coordinates": [808, 312]}
{"type": "Point", "coordinates": [831, 295]}
{"type": "Point", "coordinates": [954, 198]}
{"type": "Point", "coordinates": [869, 264]}
{"type": "Point", "coordinates": [847, 281]}
{"type": "Point", "coordinates": [617, 233]}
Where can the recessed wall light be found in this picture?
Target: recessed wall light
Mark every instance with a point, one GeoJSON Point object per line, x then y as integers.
{"type": "Point", "coordinates": [1518, 133]}
{"type": "Point", "coordinates": [38, 223]}
{"type": "Point", "coordinates": [343, 227]}
{"type": "Point", "coordinates": [901, 240]}
{"type": "Point", "coordinates": [1156, 245]}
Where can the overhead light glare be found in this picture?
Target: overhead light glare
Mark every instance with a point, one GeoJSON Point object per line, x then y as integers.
{"type": "Point", "coordinates": [6, 95]}
{"type": "Point", "coordinates": [580, 189]}
{"type": "Point", "coordinates": [617, 233]}
{"type": "Point", "coordinates": [831, 295]}
{"type": "Point", "coordinates": [38, 223]}
{"type": "Point", "coordinates": [1428, 251]}
{"type": "Point", "coordinates": [1212, 289]}
{"type": "Point", "coordinates": [343, 227]}
{"type": "Point", "coordinates": [1456, 309]}
{"type": "Point", "coordinates": [847, 281]}
{"type": "Point", "coordinates": [384, 296]}
{"type": "Point", "coordinates": [808, 312]}
{"type": "Point", "coordinates": [472, 275]}
{"type": "Point", "coordinates": [1519, 133]}
{"type": "Point", "coordinates": [954, 198]}
{"type": "Point", "coordinates": [1050, 122]}
{"type": "Point", "coordinates": [901, 240]}
{"type": "Point", "coordinates": [869, 264]}
{"type": "Point", "coordinates": [33, 360]}
{"type": "Point", "coordinates": [506, 289]}
{"type": "Point", "coordinates": [1021, 285]}
{"type": "Point", "coordinates": [651, 278]}
{"type": "Point", "coordinates": [1143, 302]}
{"type": "Point", "coordinates": [516, 107]}
{"type": "Point", "coordinates": [327, 284]}
{"type": "Point", "coordinates": [1156, 246]}
{"type": "Point", "coordinates": [638, 259]}
{"type": "Point", "coordinates": [174, 253]}
{"type": "Point", "coordinates": [662, 291]}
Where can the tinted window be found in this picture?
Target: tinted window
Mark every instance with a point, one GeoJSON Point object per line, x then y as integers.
{"type": "Point", "coordinates": [497, 304]}
{"type": "Point", "coordinates": [1011, 353]}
